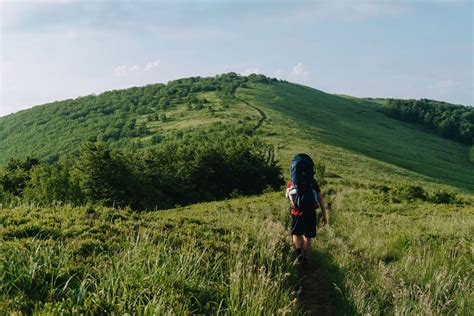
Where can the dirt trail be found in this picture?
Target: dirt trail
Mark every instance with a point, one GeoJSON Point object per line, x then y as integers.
{"type": "Point", "coordinates": [315, 285]}
{"type": "Point", "coordinates": [263, 115]}
{"type": "Point", "coordinates": [316, 290]}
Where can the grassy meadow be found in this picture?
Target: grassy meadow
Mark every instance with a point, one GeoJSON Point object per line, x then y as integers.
{"type": "Point", "coordinates": [400, 239]}
{"type": "Point", "coordinates": [227, 257]}
{"type": "Point", "coordinates": [388, 257]}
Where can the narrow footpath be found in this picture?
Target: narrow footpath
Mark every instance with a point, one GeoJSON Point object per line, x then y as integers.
{"type": "Point", "coordinates": [315, 290]}
{"type": "Point", "coordinates": [315, 285]}
{"type": "Point", "coordinates": [263, 115]}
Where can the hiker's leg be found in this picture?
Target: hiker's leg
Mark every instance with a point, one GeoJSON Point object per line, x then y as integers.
{"type": "Point", "coordinates": [297, 231]}
{"type": "Point", "coordinates": [297, 241]}
{"type": "Point", "coordinates": [298, 245]}
{"type": "Point", "coordinates": [309, 232]}
{"type": "Point", "coordinates": [306, 246]}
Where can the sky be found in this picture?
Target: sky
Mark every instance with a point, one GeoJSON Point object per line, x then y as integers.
{"type": "Point", "coordinates": [59, 49]}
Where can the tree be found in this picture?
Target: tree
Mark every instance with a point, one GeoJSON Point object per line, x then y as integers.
{"type": "Point", "coordinates": [448, 120]}
{"type": "Point", "coordinates": [16, 174]}
{"type": "Point", "coordinates": [100, 175]}
{"type": "Point", "coordinates": [446, 128]}
{"type": "Point", "coordinates": [50, 183]}
{"type": "Point", "coordinates": [164, 104]}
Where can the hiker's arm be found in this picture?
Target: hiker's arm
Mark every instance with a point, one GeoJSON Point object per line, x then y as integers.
{"type": "Point", "coordinates": [323, 208]}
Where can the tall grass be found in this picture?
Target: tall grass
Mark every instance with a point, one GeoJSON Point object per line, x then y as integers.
{"type": "Point", "coordinates": [218, 258]}
{"type": "Point", "coordinates": [402, 258]}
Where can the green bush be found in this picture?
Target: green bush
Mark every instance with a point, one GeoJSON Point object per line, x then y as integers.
{"type": "Point", "coordinates": [50, 183]}
{"type": "Point", "coordinates": [442, 197]}
{"type": "Point", "coordinates": [407, 192]}
{"type": "Point", "coordinates": [184, 169]}
{"type": "Point", "coordinates": [447, 120]}
{"type": "Point", "coordinates": [209, 168]}
{"type": "Point", "coordinates": [16, 174]}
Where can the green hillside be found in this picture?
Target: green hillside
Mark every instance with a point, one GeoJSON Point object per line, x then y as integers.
{"type": "Point", "coordinates": [361, 127]}
{"type": "Point", "coordinates": [139, 116]}
{"type": "Point", "coordinates": [144, 116]}
{"type": "Point", "coordinates": [400, 202]}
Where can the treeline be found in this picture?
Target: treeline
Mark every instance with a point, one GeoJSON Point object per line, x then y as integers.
{"type": "Point", "coordinates": [447, 120]}
{"type": "Point", "coordinates": [57, 128]}
{"type": "Point", "coordinates": [200, 167]}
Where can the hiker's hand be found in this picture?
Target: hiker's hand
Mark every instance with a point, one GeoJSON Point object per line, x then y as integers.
{"type": "Point", "coordinates": [325, 220]}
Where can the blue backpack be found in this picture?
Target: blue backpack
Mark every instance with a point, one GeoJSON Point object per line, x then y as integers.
{"type": "Point", "coordinates": [302, 178]}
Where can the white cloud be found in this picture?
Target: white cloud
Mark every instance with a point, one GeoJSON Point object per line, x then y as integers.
{"type": "Point", "coordinates": [151, 65]}
{"type": "Point", "coordinates": [122, 70]}
{"type": "Point", "coordinates": [135, 68]}
{"type": "Point", "coordinates": [299, 73]}
{"type": "Point", "coordinates": [250, 71]}
{"type": "Point", "coordinates": [125, 70]}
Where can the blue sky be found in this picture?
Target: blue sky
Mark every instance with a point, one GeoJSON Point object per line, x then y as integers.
{"type": "Point", "coordinates": [58, 49]}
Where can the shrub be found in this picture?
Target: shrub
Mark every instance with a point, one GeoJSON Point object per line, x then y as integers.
{"type": "Point", "coordinates": [442, 197]}
{"type": "Point", "coordinates": [198, 106]}
{"type": "Point", "coordinates": [207, 169]}
{"type": "Point", "coordinates": [184, 169]}
{"type": "Point", "coordinates": [16, 174]}
{"type": "Point", "coordinates": [50, 183]}
{"type": "Point", "coordinates": [408, 192]}
{"type": "Point", "coordinates": [89, 246]}
{"type": "Point", "coordinates": [156, 138]}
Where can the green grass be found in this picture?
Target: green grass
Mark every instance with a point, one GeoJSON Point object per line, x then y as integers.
{"type": "Point", "coordinates": [228, 257]}
{"type": "Point", "coordinates": [358, 126]}
{"type": "Point", "coordinates": [181, 119]}
{"type": "Point", "coordinates": [400, 258]}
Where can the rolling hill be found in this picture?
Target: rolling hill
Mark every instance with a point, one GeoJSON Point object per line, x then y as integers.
{"type": "Point", "coordinates": [141, 116]}
{"type": "Point", "coordinates": [400, 200]}
{"type": "Point", "coordinates": [360, 127]}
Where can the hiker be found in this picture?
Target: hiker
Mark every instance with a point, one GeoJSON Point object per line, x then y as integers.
{"type": "Point", "coordinates": [305, 197]}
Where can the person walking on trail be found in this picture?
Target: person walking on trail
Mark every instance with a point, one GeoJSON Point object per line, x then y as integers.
{"type": "Point", "coordinates": [305, 197]}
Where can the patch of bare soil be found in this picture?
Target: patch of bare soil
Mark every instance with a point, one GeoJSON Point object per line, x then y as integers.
{"type": "Point", "coordinates": [315, 289]}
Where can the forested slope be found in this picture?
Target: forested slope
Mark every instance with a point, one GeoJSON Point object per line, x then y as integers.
{"type": "Point", "coordinates": [447, 120]}
{"type": "Point", "coordinates": [136, 117]}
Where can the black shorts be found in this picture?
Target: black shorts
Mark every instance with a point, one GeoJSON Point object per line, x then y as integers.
{"type": "Point", "coordinates": [304, 224]}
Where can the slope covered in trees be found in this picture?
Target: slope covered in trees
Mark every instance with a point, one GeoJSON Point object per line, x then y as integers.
{"type": "Point", "coordinates": [119, 118]}
{"type": "Point", "coordinates": [447, 120]}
